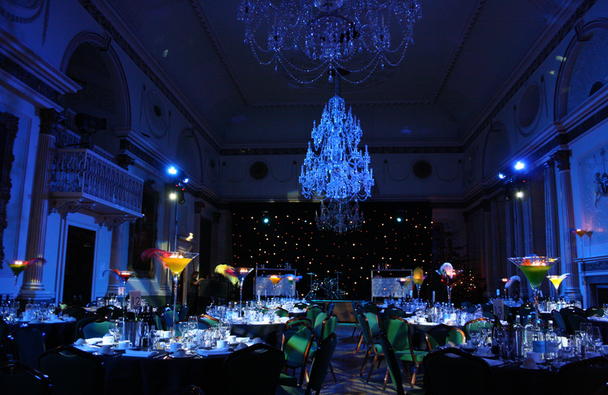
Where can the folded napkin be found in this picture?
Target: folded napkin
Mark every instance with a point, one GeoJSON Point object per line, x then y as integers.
{"type": "Point", "coordinates": [93, 340]}
{"type": "Point", "coordinates": [493, 362]}
{"type": "Point", "coordinates": [86, 347]}
{"type": "Point", "coordinates": [207, 353]}
{"type": "Point", "coordinates": [139, 353]}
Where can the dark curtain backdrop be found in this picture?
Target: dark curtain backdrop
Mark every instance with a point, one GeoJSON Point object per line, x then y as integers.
{"type": "Point", "coordinates": [394, 235]}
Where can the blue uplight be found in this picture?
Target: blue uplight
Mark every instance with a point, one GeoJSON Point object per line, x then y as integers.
{"type": "Point", "coordinates": [186, 180]}
{"type": "Point", "coordinates": [519, 165]}
{"type": "Point", "coordinates": [172, 170]}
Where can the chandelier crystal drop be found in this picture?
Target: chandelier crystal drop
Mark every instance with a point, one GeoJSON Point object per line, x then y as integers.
{"type": "Point", "coordinates": [346, 38]}
{"type": "Point", "coordinates": [334, 167]}
{"type": "Point", "coordinates": [339, 216]}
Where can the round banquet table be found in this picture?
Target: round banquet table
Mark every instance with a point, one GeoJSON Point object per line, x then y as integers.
{"type": "Point", "coordinates": [151, 376]}
{"type": "Point", "coordinates": [270, 333]}
{"type": "Point", "coordinates": [56, 333]}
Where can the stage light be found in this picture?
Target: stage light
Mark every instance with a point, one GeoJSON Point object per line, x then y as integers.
{"type": "Point", "coordinates": [502, 176]}
{"type": "Point", "coordinates": [173, 195]}
{"type": "Point", "coordinates": [399, 219]}
{"type": "Point", "coordinates": [519, 166]}
{"type": "Point", "coordinates": [186, 180]}
{"type": "Point", "coordinates": [266, 220]}
{"type": "Point", "coordinates": [519, 194]}
{"type": "Point", "coordinates": [172, 170]}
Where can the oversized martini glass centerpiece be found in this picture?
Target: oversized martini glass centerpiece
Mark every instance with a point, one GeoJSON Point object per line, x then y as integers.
{"type": "Point", "coordinates": [535, 268]}
{"type": "Point", "coordinates": [241, 275]}
{"type": "Point", "coordinates": [557, 281]}
{"type": "Point", "coordinates": [176, 262]}
{"type": "Point", "coordinates": [17, 267]}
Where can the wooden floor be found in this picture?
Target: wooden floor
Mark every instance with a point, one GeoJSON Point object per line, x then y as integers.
{"type": "Point", "coordinates": [347, 364]}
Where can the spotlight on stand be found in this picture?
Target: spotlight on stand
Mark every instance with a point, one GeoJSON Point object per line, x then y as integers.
{"type": "Point", "coordinates": [502, 176]}
{"type": "Point", "coordinates": [519, 194]}
{"type": "Point", "coordinates": [186, 180]}
{"type": "Point", "coordinates": [172, 170]}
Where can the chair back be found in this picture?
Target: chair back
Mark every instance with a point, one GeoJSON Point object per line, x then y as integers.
{"type": "Point", "coordinates": [398, 334]}
{"type": "Point", "coordinates": [374, 325]}
{"type": "Point", "coordinates": [329, 327]}
{"type": "Point", "coordinates": [281, 312]}
{"type": "Point", "coordinates": [318, 325]}
{"type": "Point", "coordinates": [312, 312]}
{"type": "Point", "coordinates": [75, 311]}
{"type": "Point", "coordinates": [30, 343]}
{"type": "Point", "coordinates": [594, 311]}
{"type": "Point", "coordinates": [574, 321]}
{"type": "Point", "coordinates": [258, 367]}
{"type": "Point", "coordinates": [583, 377]}
{"type": "Point", "coordinates": [452, 371]}
{"type": "Point", "coordinates": [297, 348]}
{"type": "Point", "coordinates": [438, 335]}
{"type": "Point", "coordinates": [370, 308]}
{"type": "Point", "coordinates": [18, 379]}
{"type": "Point", "coordinates": [167, 318]}
{"type": "Point", "coordinates": [392, 364]}
{"type": "Point", "coordinates": [73, 371]}
{"type": "Point", "coordinates": [96, 329]}
{"type": "Point", "coordinates": [477, 325]}
{"type": "Point", "coordinates": [365, 329]}
{"type": "Point", "coordinates": [559, 321]}
{"type": "Point", "coordinates": [456, 336]}
{"type": "Point", "coordinates": [321, 362]}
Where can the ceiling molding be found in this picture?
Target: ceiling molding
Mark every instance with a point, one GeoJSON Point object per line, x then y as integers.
{"type": "Point", "coordinates": [458, 51]}
{"type": "Point", "coordinates": [539, 52]}
{"type": "Point", "coordinates": [109, 20]}
{"type": "Point", "coordinates": [373, 150]}
{"type": "Point", "coordinates": [355, 103]}
{"type": "Point", "coordinates": [200, 14]}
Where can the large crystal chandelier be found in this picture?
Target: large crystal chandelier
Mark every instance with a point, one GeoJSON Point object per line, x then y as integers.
{"type": "Point", "coordinates": [313, 38]}
{"type": "Point", "coordinates": [334, 167]}
{"type": "Point", "coordinates": [339, 216]}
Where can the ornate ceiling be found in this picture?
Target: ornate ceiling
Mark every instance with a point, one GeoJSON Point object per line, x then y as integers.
{"type": "Point", "coordinates": [465, 53]}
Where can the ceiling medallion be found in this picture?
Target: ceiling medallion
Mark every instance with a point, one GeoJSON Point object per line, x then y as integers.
{"type": "Point", "coordinates": [311, 39]}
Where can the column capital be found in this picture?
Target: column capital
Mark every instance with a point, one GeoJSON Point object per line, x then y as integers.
{"type": "Point", "coordinates": [562, 159]}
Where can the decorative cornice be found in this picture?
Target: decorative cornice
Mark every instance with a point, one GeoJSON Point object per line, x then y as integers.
{"type": "Point", "coordinates": [373, 150]}
{"type": "Point", "coordinates": [107, 18]}
{"type": "Point", "coordinates": [320, 104]}
{"type": "Point", "coordinates": [30, 76]}
{"type": "Point", "coordinates": [458, 51]}
{"type": "Point", "coordinates": [513, 87]}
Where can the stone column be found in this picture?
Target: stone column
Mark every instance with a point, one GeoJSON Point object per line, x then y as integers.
{"type": "Point", "coordinates": [565, 210]}
{"type": "Point", "coordinates": [32, 287]}
{"type": "Point", "coordinates": [487, 268]}
{"type": "Point", "coordinates": [116, 261]}
{"type": "Point", "coordinates": [526, 220]}
{"type": "Point", "coordinates": [551, 219]}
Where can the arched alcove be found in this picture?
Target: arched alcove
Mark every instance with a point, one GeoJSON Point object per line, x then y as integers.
{"type": "Point", "coordinates": [91, 61]}
{"type": "Point", "coordinates": [584, 70]}
{"type": "Point", "coordinates": [189, 153]}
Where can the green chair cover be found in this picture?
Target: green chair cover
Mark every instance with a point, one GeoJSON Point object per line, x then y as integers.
{"type": "Point", "coordinates": [318, 325]}
{"type": "Point", "coordinates": [281, 312]}
{"type": "Point", "coordinates": [312, 312]}
{"type": "Point", "coordinates": [477, 325]}
{"type": "Point", "coordinates": [96, 329]}
{"type": "Point", "coordinates": [297, 348]}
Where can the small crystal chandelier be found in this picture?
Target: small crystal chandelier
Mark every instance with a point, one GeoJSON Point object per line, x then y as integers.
{"type": "Point", "coordinates": [339, 216]}
{"type": "Point", "coordinates": [312, 38]}
{"type": "Point", "coordinates": [334, 167]}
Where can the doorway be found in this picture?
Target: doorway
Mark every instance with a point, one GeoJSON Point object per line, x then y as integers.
{"type": "Point", "coordinates": [79, 258]}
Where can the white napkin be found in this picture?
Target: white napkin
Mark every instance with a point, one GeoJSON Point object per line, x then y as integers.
{"type": "Point", "coordinates": [93, 340]}
{"type": "Point", "coordinates": [493, 362]}
{"type": "Point", "coordinates": [206, 353]}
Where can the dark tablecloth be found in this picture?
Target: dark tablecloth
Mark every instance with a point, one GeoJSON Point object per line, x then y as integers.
{"type": "Point", "coordinates": [130, 375]}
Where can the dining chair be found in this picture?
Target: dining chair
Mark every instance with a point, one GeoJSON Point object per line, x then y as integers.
{"type": "Point", "coordinates": [477, 325]}
{"type": "Point", "coordinates": [453, 371]}
{"type": "Point", "coordinates": [594, 311]}
{"type": "Point", "coordinates": [281, 312]}
{"type": "Point", "coordinates": [18, 379]}
{"type": "Point", "coordinates": [393, 369]}
{"type": "Point", "coordinates": [312, 312]}
{"type": "Point", "coordinates": [441, 335]}
{"type": "Point", "coordinates": [399, 335]}
{"type": "Point", "coordinates": [588, 376]}
{"type": "Point", "coordinates": [30, 342]}
{"type": "Point", "coordinates": [318, 371]}
{"type": "Point", "coordinates": [73, 371]}
{"type": "Point", "coordinates": [96, 329]}
{"type": "Point", "coordinates": [558, 319]}
{"type": "Point", "coordinates": [296, 351]}
{"type": "Point", "coordinates": [258, 367]}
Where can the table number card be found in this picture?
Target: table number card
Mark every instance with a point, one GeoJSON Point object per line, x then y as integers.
{"type": "Point", "coordinates": [135, 298]}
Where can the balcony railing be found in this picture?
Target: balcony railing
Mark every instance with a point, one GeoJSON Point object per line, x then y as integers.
{"type": "Point", "coordinates": [84, 176]}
